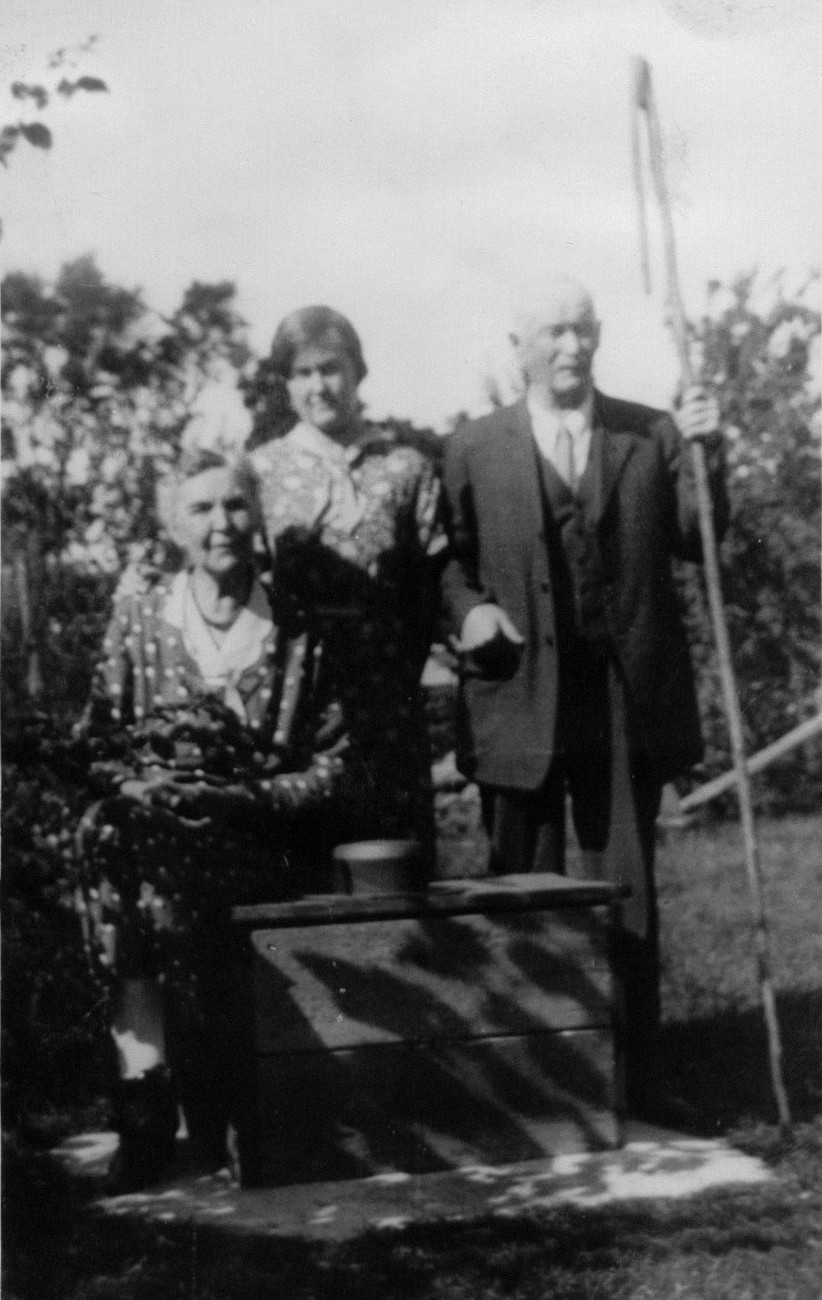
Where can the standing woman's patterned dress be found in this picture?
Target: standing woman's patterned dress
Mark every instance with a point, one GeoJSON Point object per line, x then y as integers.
{"type": "Point", "coordinates": [358, 540]}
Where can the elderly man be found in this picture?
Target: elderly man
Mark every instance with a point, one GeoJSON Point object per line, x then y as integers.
{"type": "Point", "coordinates": [566, 512]}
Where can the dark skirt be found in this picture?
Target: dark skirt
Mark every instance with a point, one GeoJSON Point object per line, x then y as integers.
{"type": "Point", "coordinates": [156, 890]}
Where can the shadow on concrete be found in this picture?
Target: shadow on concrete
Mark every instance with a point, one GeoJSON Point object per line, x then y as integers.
{"type": "Point", "coordinates": [449, 1051]}
{"type": "Point", "coordinates": [653, 1165]}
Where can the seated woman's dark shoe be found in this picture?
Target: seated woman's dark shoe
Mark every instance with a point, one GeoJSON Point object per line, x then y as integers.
{"type": "Point", "coordinates": [146, 1117]}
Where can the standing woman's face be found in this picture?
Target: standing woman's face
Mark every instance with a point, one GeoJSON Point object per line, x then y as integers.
{"type": "Point", "coordinates": [322, 388]}
{"type": "Point", "coordinates": [215, 521]}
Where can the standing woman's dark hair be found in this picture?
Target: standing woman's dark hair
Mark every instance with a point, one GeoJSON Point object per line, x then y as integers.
{"type": "Point", "coordinates": [267, 393]}
{"type": "Point", "coordinates": [308, 327]}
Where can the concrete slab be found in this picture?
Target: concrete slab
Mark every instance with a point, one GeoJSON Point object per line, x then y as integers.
{"type": "Point", "coordinates": [653, 1163]}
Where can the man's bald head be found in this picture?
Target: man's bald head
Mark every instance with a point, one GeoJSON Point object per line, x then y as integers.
{"type": "Point", "coordinates": [559, 295]}
{"type": "Point", "coordinates": [556, 337]}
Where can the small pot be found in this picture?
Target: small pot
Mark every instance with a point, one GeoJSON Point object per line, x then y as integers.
{"type": "Point", "coordinates": [377, 867]}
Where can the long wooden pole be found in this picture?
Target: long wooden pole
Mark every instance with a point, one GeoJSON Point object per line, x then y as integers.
{"type": "Point", "coordinates": [758, 762]}
{"type": "Point", "coordinates": [26, 567]}
{"type": "Point", "coordinates": [643, 98]}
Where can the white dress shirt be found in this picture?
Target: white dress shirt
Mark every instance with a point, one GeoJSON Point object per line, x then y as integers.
{"type": "Point", "coordinates": [547, 422]}
{"type": "Point", "coordinates": [221, 664]}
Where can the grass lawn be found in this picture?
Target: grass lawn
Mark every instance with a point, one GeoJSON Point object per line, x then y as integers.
{"type": "Point", "coordinates": [760, 1243]}
{"type": "Point", "coordinates": [715, 1045]}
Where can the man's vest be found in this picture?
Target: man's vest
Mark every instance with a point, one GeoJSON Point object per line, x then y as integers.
{"type": "Point", "coordinates": [577, 575]}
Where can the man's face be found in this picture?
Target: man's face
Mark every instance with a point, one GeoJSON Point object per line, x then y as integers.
{"type": "Point", "coordinates": [556, 347]}
{"type": "Point", "coordinates": [322, 387]}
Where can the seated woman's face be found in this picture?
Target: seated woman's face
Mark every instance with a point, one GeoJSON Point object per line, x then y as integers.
{"type": "Point", "coordinates": [215, 523]}
{"type": "Point", "coordinates": [322, 386]}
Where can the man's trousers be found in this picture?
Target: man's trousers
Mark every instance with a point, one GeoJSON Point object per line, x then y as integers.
{"type": "Point", "coordinates": [614, 796]}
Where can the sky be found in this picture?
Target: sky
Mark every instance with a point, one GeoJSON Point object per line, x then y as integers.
{"type": "Point", "coordinates": [422, 165]}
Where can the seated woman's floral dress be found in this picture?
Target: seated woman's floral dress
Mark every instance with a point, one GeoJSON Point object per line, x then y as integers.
{"type": "Point", "coordinates": [358, 539]}
{"type": "Point", "coordinates": [252, 714]}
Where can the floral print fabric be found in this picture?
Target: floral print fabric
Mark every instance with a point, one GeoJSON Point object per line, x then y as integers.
{"type": "Point", "coordinates": [155, 883]}
{"type": "Point", "coordinates": [307, 482]}
{"type": "Point", "coordinates": [370, 576]}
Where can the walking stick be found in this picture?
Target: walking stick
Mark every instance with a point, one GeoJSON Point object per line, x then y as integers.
{"type": "Point", "coordinates": [643, 100]}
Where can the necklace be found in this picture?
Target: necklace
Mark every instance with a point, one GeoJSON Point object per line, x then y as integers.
{"type": "Point", "coordinates": [217, 629]}
{"type": "Point", "coordinates": [222, 624]}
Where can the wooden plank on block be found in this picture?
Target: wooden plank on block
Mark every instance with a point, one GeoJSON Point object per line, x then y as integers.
{"type": "Point", "coordinates": [425, 1107]}
{"type": "Point", "coordinates": [514, 893]}
{"type": "Point", "coordinates": [418, 980]}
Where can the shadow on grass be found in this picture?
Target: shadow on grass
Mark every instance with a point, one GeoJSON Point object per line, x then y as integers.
{"type": "Point", "coordinates": [68, 1252]}
{"type": "Point", "coordinates": [726, 1244]}
{"type": "Point", "coordinates": [720, 1064]}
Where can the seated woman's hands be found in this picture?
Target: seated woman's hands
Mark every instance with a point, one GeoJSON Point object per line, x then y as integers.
{"type": "Point", "coordinates": [193, 800]}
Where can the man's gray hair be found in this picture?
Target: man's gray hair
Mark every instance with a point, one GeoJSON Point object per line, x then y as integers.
{"type": "Point", "coordinates": [530, 312]}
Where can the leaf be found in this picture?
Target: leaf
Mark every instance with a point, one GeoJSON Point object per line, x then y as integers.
{"type": "Point", "coordinates": [36, 134]}
{"type": "Point", "coordinates": [20, 90]}
{"type": "Point", "coordinates": [68, 88]}
{"type": "Point", "coordinates": [90, 83]}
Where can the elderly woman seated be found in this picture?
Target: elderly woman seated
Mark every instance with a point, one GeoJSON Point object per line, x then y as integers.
{"type": "Point", "coordinates": [227, 776]}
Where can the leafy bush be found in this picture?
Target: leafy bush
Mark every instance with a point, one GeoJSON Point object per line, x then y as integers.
{"type": "Point", "coordinates": [763, 359]}
{"type": "Point", "coordinates": [54, 1012]}
{"type": "Point", "coordinates": [98, 391]}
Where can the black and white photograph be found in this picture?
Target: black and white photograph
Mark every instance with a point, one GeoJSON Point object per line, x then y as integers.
{"type": "Point", "coordinates": [411, 650]}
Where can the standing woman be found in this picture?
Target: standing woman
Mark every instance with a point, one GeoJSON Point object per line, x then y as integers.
{"type": "Point", "coordinates": [352, 518]}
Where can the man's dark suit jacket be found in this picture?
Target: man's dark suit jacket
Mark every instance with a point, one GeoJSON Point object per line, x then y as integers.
{"type": "Point", "coordinates": [644, 514]}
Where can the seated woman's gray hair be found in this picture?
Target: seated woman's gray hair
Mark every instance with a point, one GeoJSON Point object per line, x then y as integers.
{"type": "Point", "coordinates": [198, 460]}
